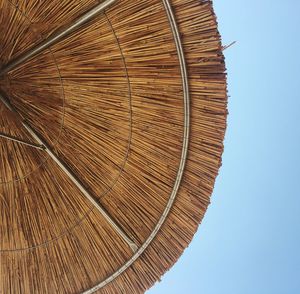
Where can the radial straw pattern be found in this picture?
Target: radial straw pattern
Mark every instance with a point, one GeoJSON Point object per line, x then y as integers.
{"type": "Point", "coordinates": [117, 101]}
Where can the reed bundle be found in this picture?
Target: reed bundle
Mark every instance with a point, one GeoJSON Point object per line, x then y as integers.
{"type": "Point", "coordinates": [110, 102]}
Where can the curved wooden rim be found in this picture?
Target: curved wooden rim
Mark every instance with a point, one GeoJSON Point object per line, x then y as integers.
{"type": "Point", "coordinates": [186, 98]}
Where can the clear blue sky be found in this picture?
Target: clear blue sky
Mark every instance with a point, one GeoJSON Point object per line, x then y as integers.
{"type": "Point", "coordinates": [249, 242]}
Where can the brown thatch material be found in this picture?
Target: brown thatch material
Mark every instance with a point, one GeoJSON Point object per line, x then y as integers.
{"type": "Point", "coordinates": [110, 102]}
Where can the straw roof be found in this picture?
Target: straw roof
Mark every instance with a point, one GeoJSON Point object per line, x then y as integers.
{"type": "Point", "coordinates": [123, 122]}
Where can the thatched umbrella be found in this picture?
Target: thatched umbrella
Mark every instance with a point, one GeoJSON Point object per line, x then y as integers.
{"type": "Point", "coordinates": [112, 119]}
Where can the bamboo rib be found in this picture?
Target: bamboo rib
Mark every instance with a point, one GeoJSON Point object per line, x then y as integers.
{"type": "Point", "coordinates": [8, 137]}
{"type": "Point", "coordinates": [60, 34]}
{"type": "Point", "coordinates": [109, 101]}
{"type": "Point", "coordinates": [68, 172]}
